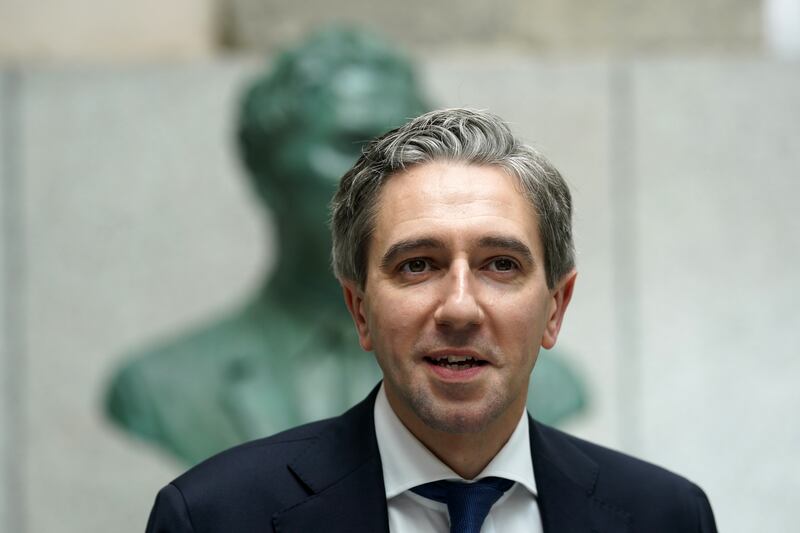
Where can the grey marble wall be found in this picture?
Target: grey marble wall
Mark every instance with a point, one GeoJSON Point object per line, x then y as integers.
{"type": "Point", "coordinates": [125, 218]}
{"type": "Point", "coordinates": [718, 173]}
{"type": "Point", "coordinates": [136, 224]}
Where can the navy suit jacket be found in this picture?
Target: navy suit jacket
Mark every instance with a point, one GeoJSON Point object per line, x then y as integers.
{"type": "Point", "coordinates": [327, 477]}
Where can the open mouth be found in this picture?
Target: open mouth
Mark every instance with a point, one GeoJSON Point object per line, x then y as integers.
{"type": "Point", "coordinates": [456, 362]}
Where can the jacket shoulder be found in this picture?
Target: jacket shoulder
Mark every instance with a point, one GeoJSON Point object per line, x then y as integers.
{"type": "Point", "coordinates": [651, 494]}
{"type": "Point", "coordinates": [266, 454]}
{"type": "Point", "coordinates": [247, 483]}
{"type": "Point", "coordinates": [622, 468]}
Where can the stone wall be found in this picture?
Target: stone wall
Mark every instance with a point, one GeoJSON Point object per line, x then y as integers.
{"type": "Point", "coordinates": [554, 26]}
{"type": "Point", "coordinates": [94, 30]}
{"type": "Point", "coordinates": [98, 30]}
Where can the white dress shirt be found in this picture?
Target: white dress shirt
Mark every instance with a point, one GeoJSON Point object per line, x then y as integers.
{"type": "Point", "coordinates": [407, 463]}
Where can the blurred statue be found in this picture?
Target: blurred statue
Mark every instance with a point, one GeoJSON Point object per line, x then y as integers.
{"type": "Point", "coordinates": [290, 354]}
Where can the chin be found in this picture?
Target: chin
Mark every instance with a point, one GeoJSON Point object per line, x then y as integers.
{"type": "Point", "coordinates": [459, 419]}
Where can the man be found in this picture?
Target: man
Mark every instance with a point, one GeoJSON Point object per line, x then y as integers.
{"type": "Point", "coordinates": [452, 242]}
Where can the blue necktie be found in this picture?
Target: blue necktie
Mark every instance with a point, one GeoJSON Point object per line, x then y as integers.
{"type": "Point", "coordinates": [467, 503]}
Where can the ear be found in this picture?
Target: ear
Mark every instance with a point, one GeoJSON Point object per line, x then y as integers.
{"type": "Point", "coordinates": [561, 295]}
{"type": "Point", "coordinates": [354, 300]}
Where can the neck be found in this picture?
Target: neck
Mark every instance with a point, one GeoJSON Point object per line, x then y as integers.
{"type": "Point", "coordinates": [467, 454]}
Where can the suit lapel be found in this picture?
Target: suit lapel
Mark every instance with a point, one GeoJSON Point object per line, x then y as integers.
{"type": "Point", "coordinates": [566, 480]}
{"type": "Point", "coordinates": [343, 472]}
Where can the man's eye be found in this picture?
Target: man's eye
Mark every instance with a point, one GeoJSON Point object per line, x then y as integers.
{"type": "Point", "coordinates": [415, 266]}
{"type": "Point", "coordinates": [502, 264]}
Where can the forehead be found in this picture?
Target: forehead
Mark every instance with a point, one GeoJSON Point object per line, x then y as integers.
{"type": "Point", "coordinates": [454, 201]}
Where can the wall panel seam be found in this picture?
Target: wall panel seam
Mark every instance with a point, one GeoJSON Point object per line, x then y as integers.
{"type": "Point", "coordinates": [12, 296]}
{"type": "Point", "coordinates": [624, 237]}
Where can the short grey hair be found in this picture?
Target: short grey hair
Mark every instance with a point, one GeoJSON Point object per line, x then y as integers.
{"type": "Point", "coordinates": [457, 135]}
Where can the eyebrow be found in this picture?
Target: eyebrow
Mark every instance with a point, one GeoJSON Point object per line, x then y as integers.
{"type": "Point", "coordinates": [405, 246]}
{"type": "Point", "coordinates": [491, 241]}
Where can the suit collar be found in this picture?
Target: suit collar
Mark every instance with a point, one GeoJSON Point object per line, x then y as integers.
{"type": "Point", "coordinates": [342, 470]}
{"type": "Point", "coordinates": [567, 481]}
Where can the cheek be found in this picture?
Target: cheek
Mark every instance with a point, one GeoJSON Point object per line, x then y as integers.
{"type": "Point", "coordinates": [523, 322]}
{"type": "Point", "coordinates": [395, 319]}
{"type": "Point", "coordinates": [398, 334]}
{"type": "Point", "coordinates": [399, 308]}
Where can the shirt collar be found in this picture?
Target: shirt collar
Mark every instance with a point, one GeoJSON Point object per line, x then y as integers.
{"type": "Point", "coordinates": [408, 463]}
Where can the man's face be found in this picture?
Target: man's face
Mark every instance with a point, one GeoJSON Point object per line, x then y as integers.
{"type": "Point", "coordinates": [455, 304]}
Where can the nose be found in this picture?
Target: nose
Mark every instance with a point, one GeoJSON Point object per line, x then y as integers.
{"type": "Point", "coordinates": [459, 307]}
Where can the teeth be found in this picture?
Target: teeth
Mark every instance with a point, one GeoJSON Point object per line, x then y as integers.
{"type": "Point", "coordinates": [455, 359]}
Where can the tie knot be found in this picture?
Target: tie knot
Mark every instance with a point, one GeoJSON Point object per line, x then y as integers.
{"type": "Point", "coordinates": [468, 504]}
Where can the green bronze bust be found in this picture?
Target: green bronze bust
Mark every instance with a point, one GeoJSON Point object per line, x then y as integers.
{"type": "Point", "coordinates": [290, 354]}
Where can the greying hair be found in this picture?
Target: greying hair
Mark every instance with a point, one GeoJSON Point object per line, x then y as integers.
{"type": "Point", "coordinates": [457, 135]}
